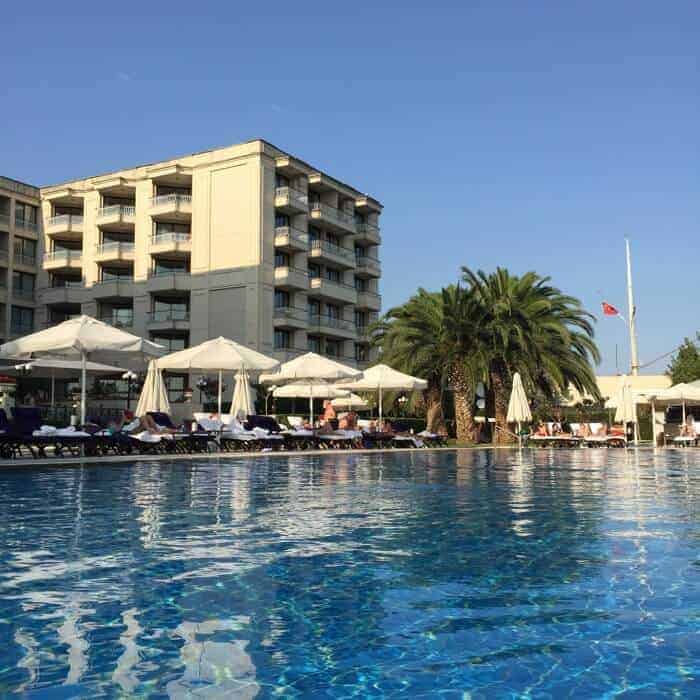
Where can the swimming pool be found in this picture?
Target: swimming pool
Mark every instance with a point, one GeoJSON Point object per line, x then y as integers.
{"type": "Point", "coordinates": [477, 574]}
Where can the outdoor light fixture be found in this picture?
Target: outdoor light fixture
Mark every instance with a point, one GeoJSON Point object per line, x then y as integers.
{"type": "Point", "coordinates": [130, 378]}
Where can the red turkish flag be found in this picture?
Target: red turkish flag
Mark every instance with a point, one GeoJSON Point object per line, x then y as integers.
{"type": "Point", "coordinates": [609, 309]}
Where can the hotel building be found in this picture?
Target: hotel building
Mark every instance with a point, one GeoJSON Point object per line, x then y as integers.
{"type": "Point", "coordinates": [20, 226]}
{"type": "Point", "coordinates": [244, 241]}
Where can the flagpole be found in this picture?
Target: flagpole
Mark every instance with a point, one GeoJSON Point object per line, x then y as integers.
{"type": "Point", "coordinates": [634, 358]}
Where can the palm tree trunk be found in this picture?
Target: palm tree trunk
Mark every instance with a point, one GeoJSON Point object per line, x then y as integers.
{"type": "Point", "coordinates": [463, 395]}
{"type": "Point", "coordinates": [435, 418]}
{"type": "Point", "coordinates": [500, 400]}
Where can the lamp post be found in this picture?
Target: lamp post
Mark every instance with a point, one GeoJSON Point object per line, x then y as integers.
{"type": "Point", "coordinates": [130, 377]}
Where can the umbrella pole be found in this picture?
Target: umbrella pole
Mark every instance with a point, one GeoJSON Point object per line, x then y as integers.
{"type": "Point", "coordinates": [83, 388]}
{"type": "Point", "coordinates": [53, 390]}
{"type": "Point", "coordinates": [311, 405]}
{"type": "Point", "coordinates": [684, 412]}
{"type": "Point", "coordinates": [220, 380]}
{"type": "Point", "coordinates": [380, 407]}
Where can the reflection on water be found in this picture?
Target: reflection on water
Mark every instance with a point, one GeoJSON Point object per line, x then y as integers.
{"type": "Point", "coordinates": [546, 573]}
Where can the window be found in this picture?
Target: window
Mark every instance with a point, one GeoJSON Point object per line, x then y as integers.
{"type": "Point", "coordinates": [119, 316]}
{"type": "Point", "coordinates": [360, 252]}
{"type": "Point", "coordinates": [332, 348]}
{"type": "Point", "coordinates": [282, 299]}
{"type": "Point", "coordinates": [21, 320]}
{"type": "Point", "coordinates": [314, 233]}
{"type": "Point", "coordinates": [360, 318]}
{"type": "Point", "coordinates": [23, 284]}
{"type": "Point", "coordinates": [283, 340]}
{"type": "Point", "coordinates": [313, 343]}
{"type": "Point", "coordinates": [281, 259]}
{"type": "Point", "coordinates": [171, 343]}
{"type": "Point", "coordinates": [171, 309]}
{"type": "Point", "coordinates": [63, 281]}
{"type": "Point", "coordinates": [168, 227]}
{"type": "Point", "coordinates": [176, 385]}
{"type": "Point", "coordinates": [361, 352]}
{"type": "Point", "coordinates": [25, 214]}
{"type": "Point", "coordinates": [360, 219]}
{"type": "Point", "coordinates": [116, 273]}
{"type": "Point", "coordinates": [162, 190]}
{"type": "Point", "coordinates": [333, 275]}
{"type": "Point", "coordinates": [3, 279]}
{"type": "Point", "coordinates": [314, 271]}
{"type": "Point", "coordinates": [314, 307]}
{"type": "Point", "coordinates": [281, 181]}
{"type": "Point", "coordinates": [360, 284]}
{"type": "Point", "coordinates": [25, 251]}
{"type": "Point", "coordinates": [333, 239]}
{"type": "Point", "coordinates": [332, 311]}
{"type": "Point", "coordinates": [111, 201]}
{"type": "Point", "coordinates": [281, 220]}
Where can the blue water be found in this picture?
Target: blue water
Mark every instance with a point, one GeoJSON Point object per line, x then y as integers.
{"type": "Point", "coordinates": [549, 574]}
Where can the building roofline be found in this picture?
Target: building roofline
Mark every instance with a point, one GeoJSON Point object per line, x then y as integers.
{"type": "Point", "coordinates": [203, 152]}
{"type": "Point", "coordinates": [15, 181]}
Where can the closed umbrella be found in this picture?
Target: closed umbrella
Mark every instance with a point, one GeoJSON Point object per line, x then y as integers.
{"type": "Point", "coordinates": [220, 354]}
{"type": "Point", "coordinates": [518, 407]}
{"type": "Point", "coordinates": [154, 396]}
{"type": "Point", "coordinates": [242, 395]}
{"type": "Point", "coordinates": [81, 337]}
{"type": "Point", "coordinates": [313, 371]}
{"type": "Point", "coordinates": [625, 404]}
{"type": "Point", "coordinates": [382, 377]}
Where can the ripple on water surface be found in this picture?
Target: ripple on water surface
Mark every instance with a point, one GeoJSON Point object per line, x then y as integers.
{"type": "Point", "coordinates": [476, 574]}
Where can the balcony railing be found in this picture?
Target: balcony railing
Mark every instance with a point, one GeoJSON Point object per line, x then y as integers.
{"type": "Point", "coordinates": [24, 259]}
{"type": "Point", "coordinates": [28, 225]}
{"type": "Point", "coordinates": [329, 322]}
{"type": "Point", "coordinates": [171, 237]}
{"type": "Point", "coordinates": [368, 229]}
{"type": "Point", "coordinates": [22, 293]}
{"type": "Point", "coordinates": [338, 216]}
{"type": "Point", "coordinates": [125, 322]}
{"type": "Point", "coordinates": [165, 315]}
{"type": "Point", "coordinates": [4, 255]}
{"type": "Point", "coordinates": [67, 220]}
{"type": "Point", "coordinates": [115, 248]}
{"type": "Point", "coordinates": [293, 196]}
{"type": "Point", "coordinates": [334, 249]}
{"type": "Point", "coordinates": [290, 313]}
{"type": "Point", "coordinates": [171, 200]}
{"type": "Point", "coordinates": [293, 234]}
{"type": "Point", "coordinates": [21, 328]}
{"type": "Point", "coordinates": [121, 210]}
{"type": "Point", "coordinates": [5, 220]}
{"type": "Point", "coordinates": [67, 284]}
{"type": "Point", "coordinates": [169, 271]}
{"type": "Point", "coordinates": [366, 261]}
{"type": "Point", "coordinates": [63, 255]}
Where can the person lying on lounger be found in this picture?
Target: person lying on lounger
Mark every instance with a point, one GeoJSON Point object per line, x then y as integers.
{"type": "Point", "coordinates": [541, 430]}
{"type": "Point", "coordinates": [584, 430]}
{"type": "Point", "coordinates": [688, 428]}
{"type": "Point", "coordinates": [602, 431]}
{"type": "Point", "coordinates": [150, 426]}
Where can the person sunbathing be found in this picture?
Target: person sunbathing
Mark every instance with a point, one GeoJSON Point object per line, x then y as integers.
{"type": "Point", "coordinates": [541, 430]}
{"type": "Point", "coordinates": [584, 430]}
{"type": "Point", "coordinates": [602, 431]}
{"type": "Point", "coordinates": [150, 426]}
{"type": "Point", "coordinates": [688, 428]}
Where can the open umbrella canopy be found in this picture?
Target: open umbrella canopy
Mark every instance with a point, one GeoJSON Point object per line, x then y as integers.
{"type": "Point", "coordinates": [305, 391]}
{"type": "Point", "coordinates": [350, 402]}
{"type": "Point", "coordinates": [59, 369]}
{"type": "Point", "coordinates": [679, 393]}
{"type": "Point", "coordinates": [81, 337]}
{"type": "Point", "coordinates": [220, 354]}
{"type": "Point", "coordinates": [518, 407]}
{"type": "Point", "coordinates": [242, 395]}
{"type": "Point", "coordinates": [154, 396]}
{"type": "Point", "coordinates": [385, 377]}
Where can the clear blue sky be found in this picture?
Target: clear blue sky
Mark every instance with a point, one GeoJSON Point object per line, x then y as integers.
{"type": "Point", "coordinates": [529, 135]}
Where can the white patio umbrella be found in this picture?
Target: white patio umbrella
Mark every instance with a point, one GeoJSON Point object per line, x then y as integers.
{"type": "Point", "coordinates": [58, 369]}
{"type": "Point", "coordinates": [679, 393]}
{"type": "Point", "coordinates": [350, 402]}
{"type": "Point", "coordinates": [312, 370]}
{"type": "Point", "coordinates": [242, 395]}
{"type": "Point", "coordinates": [219, 354]}
{"type": "Point", "coordinates": [382, 377]}
{"type": "Point", "coordinates": [518, 407]}
{"type": "Point", "coordinates": [305, 391]}
{"type": "Point", "coordinates": [80, 337]}
{"type": "Point", "coordinates": [154, 396]}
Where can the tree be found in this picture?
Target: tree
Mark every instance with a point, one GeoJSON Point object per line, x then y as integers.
{"type": "Point", "coordinates": [685, 365]}
{"type": "Point", "coordinates": [526, 325]}
{"type": "Point", "coordinates": [432, 336]}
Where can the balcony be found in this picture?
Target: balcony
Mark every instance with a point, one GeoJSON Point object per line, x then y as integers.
{"type": "Point", "coordinates": [368, 234]}
{"type": "Point", "coordinates": [291, 239]}
{"type": "Point", "coordinates": [336, 218]}
{"type": "Point", "coordinates": [367, 266]}
{"type": "Point", "coordinates": [63, 260]}
{"type": "Point", "coordinates": [117, 217]}
{"type": "Point", "coordinates": [334, 291]}
{"type": "Point", "coordinates": [4, 256]}
{"type": "Point", "coordinates": [321, 323]}
{"type": "Point", "coordinates": [4, 222]}
{"type": "Point", "coordinates": [289, 317]}
{"type": "Point", "coordinates": [330, 252]}
{"type": "Point", "coordinates": [71, 293]}
{"type": "Point", "coordinates": [30, 226]}
{"type": "Point", "coordinates": [172, 206]}
{"type": "Point", "coordinates": [124, 321]}
{"type": "Point", "coordinates": [172, 243]}
{"type": "Point", "coordinates": [369, 300]}
{"type": "Point", "coordinates": [66, 226]}
{"type": "Point", "coordinates": [116, 288]}
{"type": "Point", "coordinates": [114, 251]}
{"type": "Point", "coordinates": [168, 320]}
{"type": "Point", "coordinates": [24, 260]}
{"type": "Point", "coordinates": [22, 294]}
{"type": "Point", "coordinates": [291, 278]}
{"type": "Point", "coordinates": [291, 201]}
{"type": "Point", "coordinates": [169, 280]}
{"type": "Point", "coordinates": [363, 333]}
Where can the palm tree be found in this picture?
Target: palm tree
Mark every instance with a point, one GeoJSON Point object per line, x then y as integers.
{"type": "Point", "coordinates": [431, 336]}
{"type": "Point", "coordinates": [529, 326]}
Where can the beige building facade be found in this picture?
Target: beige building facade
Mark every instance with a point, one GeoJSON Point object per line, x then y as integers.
{"type": "Point", "coordinates": [244, 241]}
{"type": "Point", "coordinates": [20, 243]}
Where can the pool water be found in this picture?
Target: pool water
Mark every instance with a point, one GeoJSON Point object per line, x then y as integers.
{"type": "Point", "coordinates": [546, 574]}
